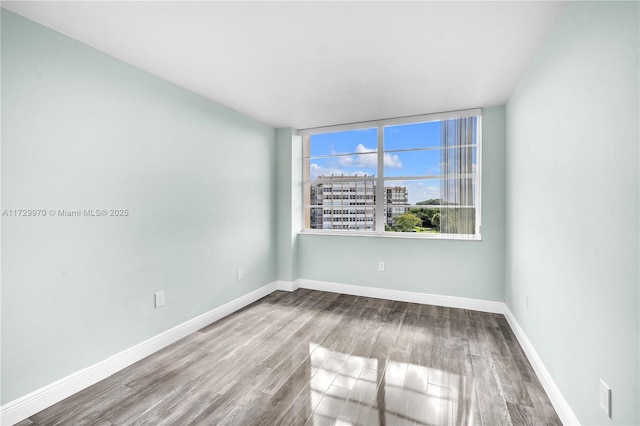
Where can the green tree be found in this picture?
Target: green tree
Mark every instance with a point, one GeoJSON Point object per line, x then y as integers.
{"type": "Point", "coordinates": [407, 222]}
{"type": "Point", "coordinates": [435, 220]}
{"type": "Point", "coordinates": [425, 215]}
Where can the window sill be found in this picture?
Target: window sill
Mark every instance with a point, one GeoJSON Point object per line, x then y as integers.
{"type": "Point", "coordinates": [405, 235]}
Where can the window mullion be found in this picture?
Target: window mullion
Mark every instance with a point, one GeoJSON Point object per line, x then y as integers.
{"type": "Point", "coordinates": [380, 213]}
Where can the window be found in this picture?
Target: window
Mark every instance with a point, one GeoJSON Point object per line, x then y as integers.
{"type": "Point", "coordinates": [417, 176]}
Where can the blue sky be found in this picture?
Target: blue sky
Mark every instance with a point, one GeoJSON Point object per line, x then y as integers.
{"type": "Point", "coordinates": [419, 135]}
{"type": "Point", "coordinates": [362, 144]}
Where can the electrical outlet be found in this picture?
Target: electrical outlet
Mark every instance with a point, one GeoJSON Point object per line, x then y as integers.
{"type": "Point", "coordinates": [604, 398]}
{"type": "Point", "coordinates": [381, 266]}
{"type": "Point", "coordinates": [240, 274]}
{"type": "Point", "coordinates": [159, 298]}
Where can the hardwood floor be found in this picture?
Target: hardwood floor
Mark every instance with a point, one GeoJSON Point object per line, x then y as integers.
{"type": "Point", "coordinates": [314, 358]}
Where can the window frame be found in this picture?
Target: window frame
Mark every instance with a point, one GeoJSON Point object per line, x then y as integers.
{"type": "Point", "coordinates": [380, 179]}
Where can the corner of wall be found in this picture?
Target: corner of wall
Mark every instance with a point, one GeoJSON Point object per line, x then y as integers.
{"type": "Point", "coordinates": [288, 202]}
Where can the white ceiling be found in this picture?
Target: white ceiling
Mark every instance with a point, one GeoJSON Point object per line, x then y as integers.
{"type": "Point", "coordinates": [310, 64]}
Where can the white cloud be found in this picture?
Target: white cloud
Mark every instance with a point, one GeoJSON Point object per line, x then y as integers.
{"type": "Point", "coordinates": [345, 161]}
{"type": "Point", "coordinates": [360, 149]}
{"type": "Point", "coordinates": [366, 158]}
{"type": "Point", "coordinates": [392, 161]}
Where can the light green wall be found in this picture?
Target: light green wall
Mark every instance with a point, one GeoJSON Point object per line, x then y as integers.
{"type": "Point", "coordinates": [83, 130]}
{"type": "Point", "coordinates": [572, 207]}
{"type": "Point", "coordinates": [472, 269]}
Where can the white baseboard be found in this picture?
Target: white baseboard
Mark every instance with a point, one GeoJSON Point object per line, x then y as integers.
{"type": "Point", "coordinates": [288, 285]}
{"type": "Point", "coordinates": [563, 409]}
{"type": "Point", "coordinates": [36, 401]}
{"type": "Point", "coordinates": [405, 296]}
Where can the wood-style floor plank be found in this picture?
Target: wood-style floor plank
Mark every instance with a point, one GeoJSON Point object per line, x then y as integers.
{"type": "Point", "coordinates": [314, 358]}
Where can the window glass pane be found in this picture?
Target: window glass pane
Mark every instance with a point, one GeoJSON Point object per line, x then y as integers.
{"type": "Point", "coordinates": [346, 165]}
{"type": "Point", "coordinates": [419, 191]}
{"type": "Point", "coordinates": [341, 205]}
{"type": "Point", "coordinates": [412, 163]}
{"type": "Point", "coordinates": [417, 135]}
{"type": "Point", "coordinates": [418, 206]}
{"type": "Point", "coordinates": [312, 198]}
{"type": "Point", "coordinates": [412, 219]}
{"type": "Point", "coordinates": [355, 218]}
{"type": "Point", "coordinates": [432, 220]}
{"type": "Point", "coordinates": [349, 142]}
{"type": "Point", "coordinates": [401, 199]}
{"type": "Point", "coordinates": [313, 218]}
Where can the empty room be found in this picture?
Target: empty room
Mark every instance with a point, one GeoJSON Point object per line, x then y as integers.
{"type": "Point", "coordinates": [320, 213]}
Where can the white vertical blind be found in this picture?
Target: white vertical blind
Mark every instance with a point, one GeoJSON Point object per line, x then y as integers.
{"type": "Point", "coordinates": [457, 187]}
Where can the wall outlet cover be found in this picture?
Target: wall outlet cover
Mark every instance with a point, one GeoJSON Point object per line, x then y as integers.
{"type": "Point", "coordinates": [604, 398]}
{"type": "Point", "coordinates": [159, 298]}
